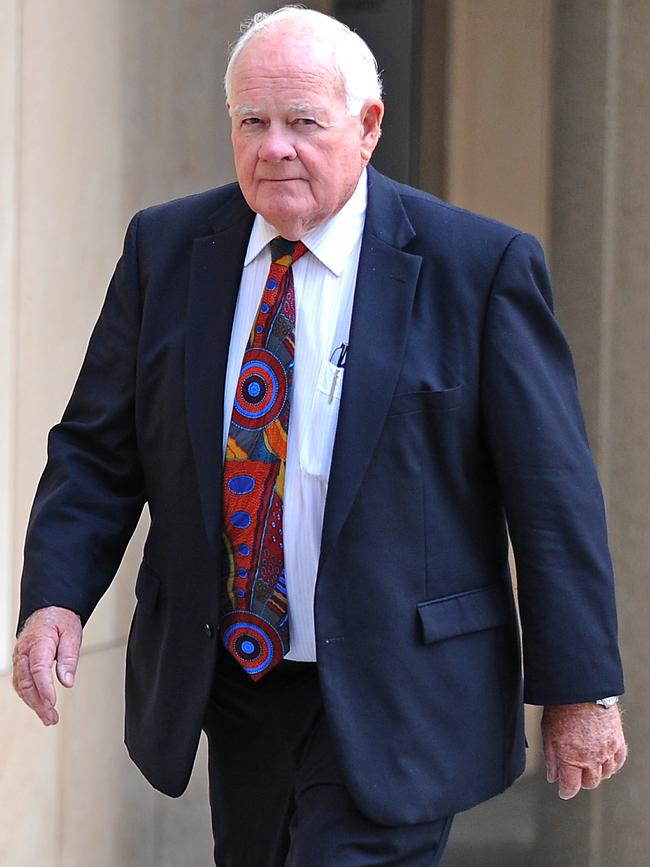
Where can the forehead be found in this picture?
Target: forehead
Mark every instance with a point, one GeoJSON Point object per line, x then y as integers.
{"type": "Point", "coordinates": [283, 62]}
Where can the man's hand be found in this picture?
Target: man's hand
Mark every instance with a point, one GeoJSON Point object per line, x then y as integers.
{"type": "Point", "coordinates": [49, 634]}
{"type": "Point", "coordinates": [583, 745]}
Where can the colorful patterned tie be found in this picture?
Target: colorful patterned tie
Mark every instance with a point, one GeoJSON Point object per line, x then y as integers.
{"type": "Point", "coordinates": [255, 620]}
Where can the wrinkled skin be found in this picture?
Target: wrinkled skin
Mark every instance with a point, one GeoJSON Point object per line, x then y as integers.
{"type": "Point", "coordinates": [50, 635]}
{"type": "Point", "coordinates": [298, 153]}
{"type": "Point", "coordinates": [583, 745]}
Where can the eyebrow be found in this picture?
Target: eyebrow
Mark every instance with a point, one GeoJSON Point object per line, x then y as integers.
{"type": "Point", "coordinates": [304, 106]}
{"type": "Point", "coordinates": [245, 109]}
{"type": "Point", "coordinates": [256, 110]}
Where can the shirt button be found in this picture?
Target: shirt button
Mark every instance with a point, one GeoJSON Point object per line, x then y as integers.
{"type": "Point", "coordinates": [209, 630]}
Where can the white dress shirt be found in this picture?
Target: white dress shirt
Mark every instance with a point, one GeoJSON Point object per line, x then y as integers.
{"type": "Point", "coordinates": [324, 280]}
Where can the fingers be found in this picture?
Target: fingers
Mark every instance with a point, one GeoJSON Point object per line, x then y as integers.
{"type": "Point", "coordinates": [551, 763]}
{"type": "Point", "coordinates": [49, 634]}
{"type": "Point", "coordinates": [67, 656]}
{"type": "Point", "coordinates": [583, 745]}
{"type": "Point", "coordinates": [609, 768]}
{"type": "Point", "coordinates": [620, 756]}
{"type": "Point", "coordinates": [570, 781]}
{"type": "Point", "coordinates": [41, 659]}
{"type": "Point", "coordinates": [26, 688]}
{"type": "Point", "coordinates": [614, 764]}
{"type": "Point", "coordinates": [573, 778]}
{"type": "Point", "coordinates": [591, 777]}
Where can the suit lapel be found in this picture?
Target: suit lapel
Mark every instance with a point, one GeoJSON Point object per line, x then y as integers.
{"type": "Point", "coordinates": [386, 281]}
{"type": "Point", "coordinates": [385, 288]}
{"type": "Point", "coordinates": [215, 274]}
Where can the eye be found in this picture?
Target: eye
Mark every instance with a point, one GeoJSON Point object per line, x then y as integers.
{"type": "Point", "coordinates": [304, 121]}
{"type": "Point", "coordinates": [251, 121]}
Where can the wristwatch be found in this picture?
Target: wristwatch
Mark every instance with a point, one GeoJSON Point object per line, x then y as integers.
{"type": "Point", "coordinates": [610, 701]}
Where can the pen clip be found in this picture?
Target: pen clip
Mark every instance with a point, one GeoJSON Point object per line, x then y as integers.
{"type": "Point", "coordinates": [342, 352]}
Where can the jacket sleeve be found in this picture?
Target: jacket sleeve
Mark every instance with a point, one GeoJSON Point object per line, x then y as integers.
{"type": "Point", "coordinates": [91, 493]}
{"type": "Point", "coordinates": [553, 501]}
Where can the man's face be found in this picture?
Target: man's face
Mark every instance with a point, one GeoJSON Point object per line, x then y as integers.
{"type": "Point", "coordinates": [298, 154]}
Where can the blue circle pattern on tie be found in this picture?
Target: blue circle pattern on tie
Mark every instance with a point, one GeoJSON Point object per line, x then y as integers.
{"type": "Point", "coordinates": [262, 390]}
{"type": "Point", "coordinates": [253, 644]}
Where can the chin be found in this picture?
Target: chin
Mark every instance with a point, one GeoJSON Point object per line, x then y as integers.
{"type": "Point", "coordinates": [284, 197]}
{"type": "Point", "coordinates": [285, 216]}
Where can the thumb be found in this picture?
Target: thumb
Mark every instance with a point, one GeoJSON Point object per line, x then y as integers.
{"type": "Point", "coordinates": [67, 656]}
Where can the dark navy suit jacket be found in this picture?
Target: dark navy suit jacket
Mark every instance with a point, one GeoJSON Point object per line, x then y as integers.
{"type": "Point", "coordinates": [459, 413]}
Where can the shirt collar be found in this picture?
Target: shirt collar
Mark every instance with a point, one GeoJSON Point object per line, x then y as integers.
{"type": "Point", "coordinates": [332, 241]}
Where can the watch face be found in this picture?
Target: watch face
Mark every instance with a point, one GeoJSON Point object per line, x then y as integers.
{"type": "Point", "coordinates": [608, 702]}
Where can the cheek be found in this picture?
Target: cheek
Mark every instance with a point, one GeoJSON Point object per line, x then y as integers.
{"type": "Point", "coordinates": [323, 171]}
{"type": "Point", "coordinates": [244, 152]}
{"type": "Point", "coordinates": [244, 159]}
{"type": "Point", "coordinates": [336, 181]}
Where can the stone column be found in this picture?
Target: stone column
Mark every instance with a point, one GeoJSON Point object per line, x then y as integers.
{"type": "Point", "coordinates": [600, 258]}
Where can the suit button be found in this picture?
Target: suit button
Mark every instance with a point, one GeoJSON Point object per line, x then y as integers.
{"type": "Point", "coordinates": [209, 630]}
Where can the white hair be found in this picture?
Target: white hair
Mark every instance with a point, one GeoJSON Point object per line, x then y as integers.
{"type": "Point", "coordinates": [352, 59]}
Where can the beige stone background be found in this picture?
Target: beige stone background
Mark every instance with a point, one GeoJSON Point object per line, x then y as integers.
{"type": "Point", "coordinates": [110, 105]}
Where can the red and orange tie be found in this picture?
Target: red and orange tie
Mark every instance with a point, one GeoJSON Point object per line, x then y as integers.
{"type": "Point", "coordinates": [255, 621]}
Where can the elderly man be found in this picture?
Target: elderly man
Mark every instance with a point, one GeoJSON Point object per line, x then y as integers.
{"type": "Point", "coordinates": [331, 390]}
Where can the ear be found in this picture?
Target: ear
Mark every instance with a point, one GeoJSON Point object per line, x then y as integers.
{"type": "Point", "coordinates": [370, 118]}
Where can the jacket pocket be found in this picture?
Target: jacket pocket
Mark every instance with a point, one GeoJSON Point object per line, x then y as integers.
{"type": "Point", "coordinates": [147, 587]}
{"type": "Point", "coordinates": [462, 613]}
{"type": "Point", "coordinates": [436, 401]}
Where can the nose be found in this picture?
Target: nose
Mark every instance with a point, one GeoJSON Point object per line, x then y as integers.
{"type": "Point", "coordinates": [276, 145]}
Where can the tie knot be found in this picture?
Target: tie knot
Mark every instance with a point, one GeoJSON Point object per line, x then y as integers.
{"type": "Point", "coordinates": [286, 252]}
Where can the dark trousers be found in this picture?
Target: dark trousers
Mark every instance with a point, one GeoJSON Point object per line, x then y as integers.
{"type": "Point", "coordinates": [277, 795]}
